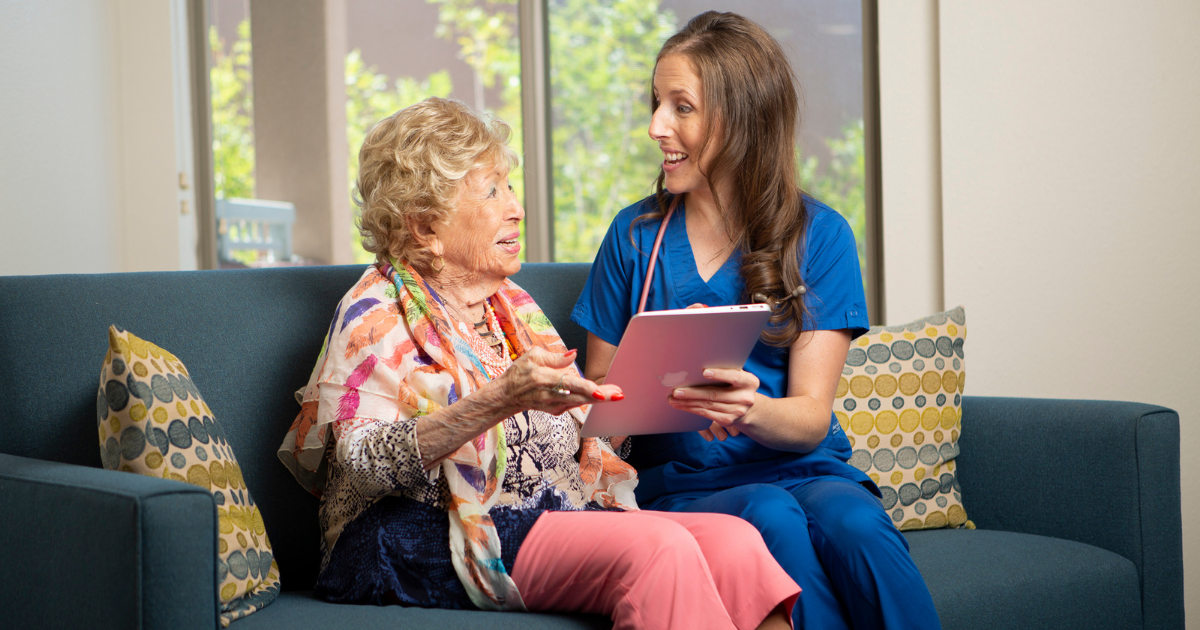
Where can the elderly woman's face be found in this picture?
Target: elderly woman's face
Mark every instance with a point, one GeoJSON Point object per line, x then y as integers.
{"type": "Point", "coordinates": [479, 238]}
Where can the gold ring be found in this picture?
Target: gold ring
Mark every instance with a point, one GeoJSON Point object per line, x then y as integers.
{"type": "Point", "coordinates": [559, 388]}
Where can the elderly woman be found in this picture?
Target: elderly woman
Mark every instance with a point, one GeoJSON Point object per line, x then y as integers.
{"type": "Point", "coordinates": [440, 424]}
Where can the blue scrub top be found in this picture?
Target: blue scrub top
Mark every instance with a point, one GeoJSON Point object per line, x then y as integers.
{"type": "Point", "coordinates": [685, 462]}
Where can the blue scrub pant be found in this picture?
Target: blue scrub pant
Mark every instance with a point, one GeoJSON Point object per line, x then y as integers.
{"type": "Point", "coordinates": [833, 538]}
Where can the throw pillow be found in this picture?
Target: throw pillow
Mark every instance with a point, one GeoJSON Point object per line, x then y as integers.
{"type": "Point", "coordinates": [899, 401]}
{"type": "Point", "coordinates": [153, 421]}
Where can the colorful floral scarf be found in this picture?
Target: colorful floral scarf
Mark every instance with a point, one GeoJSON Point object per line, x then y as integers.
{"type": "Point", "coordinates": [442, 361]}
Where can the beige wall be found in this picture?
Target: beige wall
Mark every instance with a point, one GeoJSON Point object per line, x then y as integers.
{"type": "Point", "coordinates": [910, 144]}
{"type": "Point", "coordinates": [1070, 200]}
{"type": "Point", "coordinates": [88, 179]}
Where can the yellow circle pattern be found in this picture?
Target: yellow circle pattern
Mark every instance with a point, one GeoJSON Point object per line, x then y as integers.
{"type": "Point", "coordinates": [886, 421]}
{"type": "Point", "coordinates": [885, 385]}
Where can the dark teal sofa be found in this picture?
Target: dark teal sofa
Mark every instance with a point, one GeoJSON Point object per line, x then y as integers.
{"type": "Point", "coordinates": [1077, 503]}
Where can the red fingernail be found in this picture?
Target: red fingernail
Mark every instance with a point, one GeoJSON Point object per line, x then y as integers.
{"type": "Point", "coordinates": [618, 397]}
{"type": "Point", "coordinates": [597, 395]}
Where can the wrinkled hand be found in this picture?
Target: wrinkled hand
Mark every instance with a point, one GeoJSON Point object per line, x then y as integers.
{"type": "Point", "coordinates": [726, 405]}
{"type": "Point", "coordinates": [539, 378]}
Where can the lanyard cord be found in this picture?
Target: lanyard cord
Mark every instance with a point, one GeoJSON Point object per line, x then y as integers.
{"type": "Point", "coordinates": [662, 229]}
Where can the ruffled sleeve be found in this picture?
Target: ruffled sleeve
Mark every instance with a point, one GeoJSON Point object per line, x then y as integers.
{"type": "Point", "coordinates": [369, 385]}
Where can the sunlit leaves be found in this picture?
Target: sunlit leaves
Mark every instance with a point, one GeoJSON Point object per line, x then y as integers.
{"type": "Point", "coordinates": [841, 183]}
{"type": "Point", "coordinates": [603, 55]}
{"type": "Point", "coordinates": [232, 114]}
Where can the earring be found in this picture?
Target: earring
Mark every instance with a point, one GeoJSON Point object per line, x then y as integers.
{"type": "Point", "coordinates": [438, 269]}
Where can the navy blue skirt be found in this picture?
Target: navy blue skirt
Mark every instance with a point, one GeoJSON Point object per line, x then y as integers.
{"type": "Point", "coordinates": [398, 552]}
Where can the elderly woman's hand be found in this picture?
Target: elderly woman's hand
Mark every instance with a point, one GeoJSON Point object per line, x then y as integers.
{"type": "Point", "coordinates": [544, 380]}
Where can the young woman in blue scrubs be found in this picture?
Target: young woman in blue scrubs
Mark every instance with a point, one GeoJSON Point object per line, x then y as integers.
{"type": "Point", "coordinates": [724, 115]}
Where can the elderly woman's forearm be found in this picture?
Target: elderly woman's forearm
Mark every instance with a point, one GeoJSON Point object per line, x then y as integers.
{"type": "Point", "coordinates": [443, 431]}
{"type": "Point", "coordinates": [382, 457]}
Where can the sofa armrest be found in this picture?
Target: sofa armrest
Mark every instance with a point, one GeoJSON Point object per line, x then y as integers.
{"type": "Point", "coordinates": [1097, 472]}
{"type": "Point", "coordinates": [93, 548]}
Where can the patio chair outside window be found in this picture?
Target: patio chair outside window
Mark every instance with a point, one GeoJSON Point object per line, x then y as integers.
{"type": "Point", "coordinates": [263, 227]}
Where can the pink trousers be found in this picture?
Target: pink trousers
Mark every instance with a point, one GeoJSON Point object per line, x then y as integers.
{"type": "Point", "coordinates": [652, 569]}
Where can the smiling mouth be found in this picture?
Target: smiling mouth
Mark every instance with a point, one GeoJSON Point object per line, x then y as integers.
{"type": "Point", "coordinates": [670, 157]}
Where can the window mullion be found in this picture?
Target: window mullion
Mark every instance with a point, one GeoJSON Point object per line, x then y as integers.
{"type": "Point", "coordinates": [535, 114]}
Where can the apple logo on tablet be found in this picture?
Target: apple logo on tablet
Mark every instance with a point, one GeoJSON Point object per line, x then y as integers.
{"type": "Point", "coordinates": [671, 379]}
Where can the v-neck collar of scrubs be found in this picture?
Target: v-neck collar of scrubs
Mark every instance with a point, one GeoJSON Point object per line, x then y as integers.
{"type": "Point", "coordinates": [724, 287]}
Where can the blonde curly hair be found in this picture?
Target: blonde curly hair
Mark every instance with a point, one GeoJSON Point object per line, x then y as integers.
{"type": "Point", "coordinates": [410, 167]}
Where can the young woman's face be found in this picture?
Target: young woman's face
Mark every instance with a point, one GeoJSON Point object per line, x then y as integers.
{"type": "Point", "coordinates": [678, 125]}
{"type": "Point", "coordinates": [480, 237]}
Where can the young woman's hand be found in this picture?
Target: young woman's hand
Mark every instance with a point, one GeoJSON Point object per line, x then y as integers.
{"type": "Point", "coordinates": [726, 405]}
{"type": "Point", "coordinates": [544, 380]}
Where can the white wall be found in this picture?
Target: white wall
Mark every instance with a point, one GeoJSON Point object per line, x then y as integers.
{"type": "Point", "coordinates": [88, 167]}
{"type": "Point", "coordinates": [1070, 200]}
{"type": "Point", "coordinates": [59, 154]}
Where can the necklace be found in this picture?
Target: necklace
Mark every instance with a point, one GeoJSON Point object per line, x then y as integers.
{"type": "Point", "coordinates": [494, 357]}
{"type": "Point", "coordinates": [481, 327]}
{"type": "Point", "coordinates": [486, 338]}
{"type": "Point", "coordinates": [509, 346]}
{"type": "Point", "coordinates": [463, 317]}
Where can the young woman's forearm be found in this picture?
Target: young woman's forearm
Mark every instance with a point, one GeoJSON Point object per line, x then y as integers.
{"type": "Point", "coordinates": [797, 424]}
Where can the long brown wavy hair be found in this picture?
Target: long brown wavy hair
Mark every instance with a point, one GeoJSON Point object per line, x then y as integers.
{"type": "Point", "coordinates": [750, 92]}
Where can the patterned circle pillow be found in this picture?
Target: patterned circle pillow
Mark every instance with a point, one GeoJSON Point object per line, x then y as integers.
{"type": "Point", "coordinates": [899, 401]}
{"type": "Point", "coordinates": [152, 421]}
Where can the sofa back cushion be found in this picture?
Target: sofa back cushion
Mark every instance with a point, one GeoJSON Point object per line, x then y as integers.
{"type": "Point", "coordinates": [249, 339]}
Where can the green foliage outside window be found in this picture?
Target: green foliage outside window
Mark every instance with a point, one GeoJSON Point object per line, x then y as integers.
{"type": "Point", "coordinates": [232, 122]}
{"type": "Point", "coordinates": [488, 39]}
{"type": "Point", "coordinates": [603, 159]}
{"type": "Point", "coordinates": [232, 115]}
{"type": "Point", "coordinates": [840, 185]}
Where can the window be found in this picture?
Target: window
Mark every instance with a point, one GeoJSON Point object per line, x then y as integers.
{"type": "Point", "coordinates": [403, 52]}
{"type": "Point", "coordinates": [597, 58]}
{"type": "Point", "coordinates": [603, 158]}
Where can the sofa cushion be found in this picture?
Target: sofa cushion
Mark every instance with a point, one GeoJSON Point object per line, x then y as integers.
{"type": "Point", "coordinates": [299, 611]}
{"type": "Point", "coordinates": [899, 401]}
{"type": "Point", "coordinates": [153, 421]}
{"type": "Point", "coordinates": [1010, 581]}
